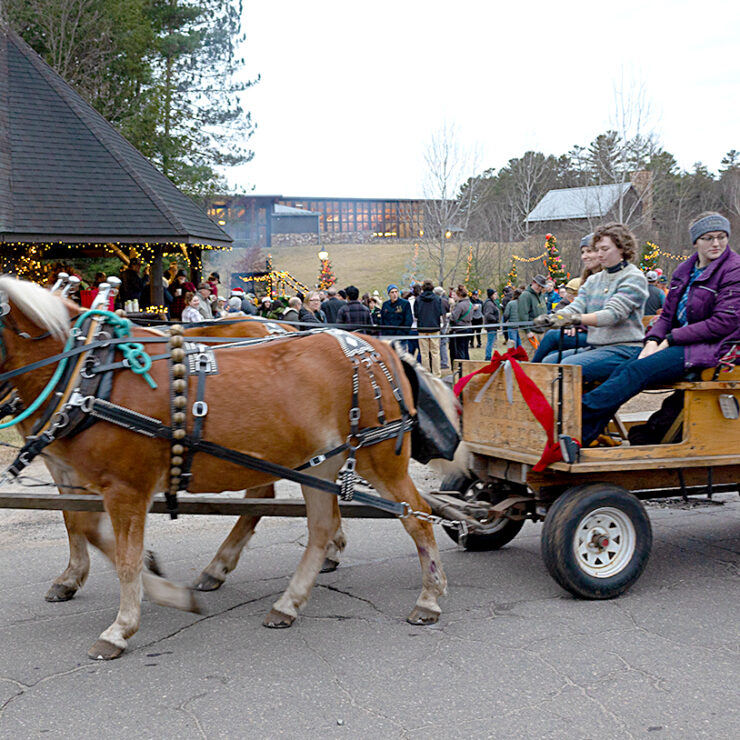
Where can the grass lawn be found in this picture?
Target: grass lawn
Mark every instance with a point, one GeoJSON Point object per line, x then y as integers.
{"type": "Point", "coordinates": [368, 266]}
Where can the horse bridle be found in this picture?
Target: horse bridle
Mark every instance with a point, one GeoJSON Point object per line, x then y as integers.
{"type": "Point", "coordinates": [6, 319]}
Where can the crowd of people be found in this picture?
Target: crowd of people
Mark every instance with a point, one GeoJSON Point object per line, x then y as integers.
{"type": "Point", "coordinates": [595, 321]}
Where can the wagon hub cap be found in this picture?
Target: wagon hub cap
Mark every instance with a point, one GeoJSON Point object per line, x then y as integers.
{"type": "Point", "coordinates": [604, 542]}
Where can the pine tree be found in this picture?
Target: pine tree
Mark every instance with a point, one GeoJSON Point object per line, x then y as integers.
{"type": "Point", "coordinates": [327, 278]}
{"type": "Point", "coordinates": [649, 257]}
{"type": "Point", "coordinates": [553, 263]}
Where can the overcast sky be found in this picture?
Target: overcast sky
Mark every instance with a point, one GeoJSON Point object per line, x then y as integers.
{"type": "Point", "coordinates": [351, 93]}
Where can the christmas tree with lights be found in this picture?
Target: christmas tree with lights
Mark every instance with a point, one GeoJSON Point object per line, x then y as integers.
{"type": "Point", "coordinates": [553, 263]}
{"type": "Point", "coordinates": [649, 257]}
{"type": "Point", "coordinates": [512, 278]}
{"type": "Point", "coordinates": [327, 278]}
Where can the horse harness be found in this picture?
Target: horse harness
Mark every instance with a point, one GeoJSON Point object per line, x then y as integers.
{"type": "Point", "coordinates": [81, 397]}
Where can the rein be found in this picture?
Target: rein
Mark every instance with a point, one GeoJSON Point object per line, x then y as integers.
{"type": "Point", "coordinates": [139, 361]}
{"type": "Point", "coordinates": [357, 350]}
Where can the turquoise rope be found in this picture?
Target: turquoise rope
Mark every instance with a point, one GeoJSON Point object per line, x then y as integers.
{"type": "Point", "coordinates": [139, 361]}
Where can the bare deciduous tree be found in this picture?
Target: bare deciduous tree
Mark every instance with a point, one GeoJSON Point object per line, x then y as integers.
{"type": "Point", "coordinates": [449, 209]}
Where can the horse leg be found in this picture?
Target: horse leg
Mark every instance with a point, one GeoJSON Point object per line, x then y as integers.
{"type": "Point", "coordinates": [225, 560]}
{"type": "Point", "coordinates": [73, 577]}
{"type": "Point", "coordinates": [434, 581]}
{"type": "Point", "coordinates": [322, 512]}
{"type": "Point", "coordinates": [127, 511]}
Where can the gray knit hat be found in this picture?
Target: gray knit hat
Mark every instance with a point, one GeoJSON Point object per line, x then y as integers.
{"type": "Point", "coordinates": [586, 240]}
{"type": "Point", "coordinates": [713, 222]}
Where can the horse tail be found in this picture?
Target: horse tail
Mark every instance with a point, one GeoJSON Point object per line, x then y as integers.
{"type": "Point", "coordinates": [447, 402]}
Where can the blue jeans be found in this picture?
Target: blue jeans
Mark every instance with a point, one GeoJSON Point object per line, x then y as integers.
{"type": "Point", "coordinates": [666, 366]}
{"type": "Point", "coordinates": [600, 363]}
{"type": "Point", "coordinates": [490, 341]}
{"type": "Point", "coordinates": [513, 335]}
{"type": "Point", "coordinates": [550, 341]}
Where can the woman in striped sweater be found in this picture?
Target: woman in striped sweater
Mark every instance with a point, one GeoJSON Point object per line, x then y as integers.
{"type": "Point", "coordinates": [610, 304]}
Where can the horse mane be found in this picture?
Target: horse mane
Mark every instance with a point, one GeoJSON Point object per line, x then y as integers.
{"type": "Point", "coordinates": [45, 310]}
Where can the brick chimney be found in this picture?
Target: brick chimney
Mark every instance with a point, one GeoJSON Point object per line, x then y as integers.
{"type": "Point", "coordinates": [642, 181]}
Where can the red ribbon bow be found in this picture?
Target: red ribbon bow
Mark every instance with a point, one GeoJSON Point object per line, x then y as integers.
{"type": "Point", "coordinates": [532, 395]}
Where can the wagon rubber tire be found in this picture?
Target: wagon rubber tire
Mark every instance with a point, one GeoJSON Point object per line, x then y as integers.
{"type": "Point", "coordinates": [504, 533]}
{"type": "Point", "coordinates": [596, 540]}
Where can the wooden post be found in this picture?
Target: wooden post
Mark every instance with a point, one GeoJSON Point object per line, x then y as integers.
{"type": "Point", "coordinates": [156, 290]}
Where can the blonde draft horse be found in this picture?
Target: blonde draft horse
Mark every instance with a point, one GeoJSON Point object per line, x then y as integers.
{"type": "Point", "coordinates": [91, 527]}
{"type": "Point", "coordinates": [126, 469]}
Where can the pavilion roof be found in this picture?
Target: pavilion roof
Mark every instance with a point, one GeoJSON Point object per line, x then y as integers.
{"type": "Point", "coordinates": [67, 175]}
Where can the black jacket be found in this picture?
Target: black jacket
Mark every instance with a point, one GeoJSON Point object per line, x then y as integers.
{"type": "Point", "coordinates": [490, 311]}
{"type": "Point", "coordinates": [354, 314]}
{"type": "Point", "coordinates": [428, 311]}
{"type": "Point", "coordinates": [331, 308]}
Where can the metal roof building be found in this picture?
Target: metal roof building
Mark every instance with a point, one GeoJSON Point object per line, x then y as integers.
{"type": "Point", "coordinates": [578, 203]}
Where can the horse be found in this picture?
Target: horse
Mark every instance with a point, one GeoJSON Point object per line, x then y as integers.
{"type": "Point", "coordinates": [85, 527]}
{"type": "Point", "coordinates": [306, 374]}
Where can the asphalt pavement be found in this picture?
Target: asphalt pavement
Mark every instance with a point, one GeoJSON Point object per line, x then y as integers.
{"type": "Point", "coordinates": [512, 656]}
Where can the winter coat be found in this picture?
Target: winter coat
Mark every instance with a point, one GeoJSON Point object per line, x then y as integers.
{"type": "Point", "coordinates": [178, 301]}
{"type": "Point", "coordinates": [530, 305]}
{"type": "Point", "coordinates": [309, 317]}
{"type": "Point", "coordinates": [396, 314]}
{"type": "Point", "coordinates": [462, 314]}
{"type": "Point", "coordinates": [331, 308]}
{"type": "Point", "coordinates": [428, 311]}
{"type": "Point", "coordinates": [290, 314]}
{"type": "Point", "coordinates": [354, 315]}
{"type": "Point", "coordinates": [511, 311]}
{"type": "Point", "coordinates": [712, 309]}
{"type": "Point", "coordinates": [490, 312]}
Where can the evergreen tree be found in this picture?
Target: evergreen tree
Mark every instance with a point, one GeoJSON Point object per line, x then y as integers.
{"type": "Point", "coordinates": [512, 278]}
{"type": "Point", "coordinates": [327, 278]}
{"type": "Point", "coordinates": [553, 263]}
{"type": "Point", "coordinates": [162, 71]}
{"type": "Point", "coordinates": [649, 257]}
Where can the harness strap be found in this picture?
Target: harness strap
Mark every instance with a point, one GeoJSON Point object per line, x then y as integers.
{"type": "Point", "coordinates": [199, 410]}
{"type": "Point", "coordinates": [178, 416]}
{"type": "Point", "coordinates": [72, 353]}
{"type": "Point", "coordinates": [397, 394]}
{"type": "Point", "coordinates": [110, 412]}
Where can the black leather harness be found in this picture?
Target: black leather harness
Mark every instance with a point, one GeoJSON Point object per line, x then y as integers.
{"type": "Point", "coordinates": [82, 397]}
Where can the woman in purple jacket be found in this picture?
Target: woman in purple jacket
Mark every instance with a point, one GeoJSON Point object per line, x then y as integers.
{"type": "Point", "coordinates": [699, 324]}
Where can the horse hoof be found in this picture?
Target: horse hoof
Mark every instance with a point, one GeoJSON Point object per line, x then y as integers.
{"type": "Point", "coordinates": [329, 565]}
{"type": "Point", "coordinates": [422, 616]}
{"type": "Point", "coordinates": [104, 650]}
{"type": "Point", "coordinates": [152, 564]}
{"type": "Point", "coordinates": [277, 620]}
{"type": "Point", "coordinates": [60, 592]}
{"type": "Point", "coordinates": [194, 607]}
{"type": "Point", "coordinates": [207, 582]}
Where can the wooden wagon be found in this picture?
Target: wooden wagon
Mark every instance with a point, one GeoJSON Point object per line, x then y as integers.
{"type": "Point", "coordinates": [596, 536]}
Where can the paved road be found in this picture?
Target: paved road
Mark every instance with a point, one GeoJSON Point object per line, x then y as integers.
{"type": "Point", "coordinates": [513, 655]}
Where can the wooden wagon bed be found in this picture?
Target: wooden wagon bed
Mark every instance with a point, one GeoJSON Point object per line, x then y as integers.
{"type": "Point", "coordinates": [507, 441]}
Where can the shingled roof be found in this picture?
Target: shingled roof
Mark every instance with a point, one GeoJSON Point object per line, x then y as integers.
{"type": "Point", "coordinates": [66, 175]}
{"type": "Point", "coordinates": [574, 203]}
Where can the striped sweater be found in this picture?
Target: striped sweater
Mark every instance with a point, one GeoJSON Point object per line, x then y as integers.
{"type": "Point", "coordinates": [618, 300]}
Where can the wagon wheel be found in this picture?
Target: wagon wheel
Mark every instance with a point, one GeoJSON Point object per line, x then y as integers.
{"type": "Point", "coordinates": [596, 540]}
{"type": "Point", "coordinates": [498, 532]}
